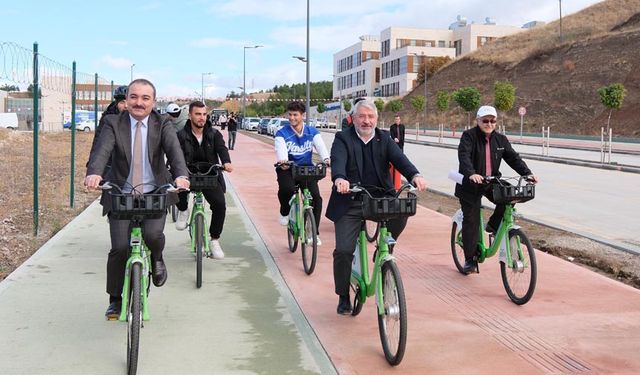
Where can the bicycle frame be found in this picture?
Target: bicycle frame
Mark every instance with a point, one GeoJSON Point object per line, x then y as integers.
{"type": "Point", "coordinates": [198, 209]}
{"type": "Point", "coordinates": [301, 195]}
{"type": "Point", "coordinates": [372, 283]}
{"type": "Point", "coordinates": [139, 254]}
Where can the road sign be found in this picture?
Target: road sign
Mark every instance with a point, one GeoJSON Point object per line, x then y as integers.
{"type": "Point", "coordinates": [522, 111]}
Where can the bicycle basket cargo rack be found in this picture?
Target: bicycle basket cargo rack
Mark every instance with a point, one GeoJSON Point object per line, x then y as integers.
{"type": "Point", "coordinates": [378, 209]}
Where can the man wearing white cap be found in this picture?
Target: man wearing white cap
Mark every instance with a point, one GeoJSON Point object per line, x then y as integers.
{"type": "Point", "coordinates": [480, 152]}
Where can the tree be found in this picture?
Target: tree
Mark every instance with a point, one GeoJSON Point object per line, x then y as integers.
{"type": "Point", "coordinates": [9, 88]}
{"type": "Point", "coordinates": [504, 96]}
{"type": "Point", "coordinates": [612, 97]}
{"type": "Point", "coordinates": [321, 107]}
{"type": "Point", "coordinates": [468, 98]}
{"type": "Point", "coordinates": [442, 102]}
{"type": "Point", "coordinates": [379, 105]}
{"type": "Point", "coordinates": [394, 106]}
{"type": "Point", "coordinates": [30, 90]}
{"type": "Point", "coordinates": [432, 65]}
{"type": "Point", "coordinates": [347, 105]}
{"type": "Point", "coordinates": [418, 102]}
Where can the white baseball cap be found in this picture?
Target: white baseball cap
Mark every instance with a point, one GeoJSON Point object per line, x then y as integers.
{"type": "Point", "coordinates": [173, 108]}
{"type": "Point", "coordinates": [487, 110]}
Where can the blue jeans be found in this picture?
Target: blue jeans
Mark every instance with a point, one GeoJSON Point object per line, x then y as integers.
{"type": "Point", "coordinates": [232, 140]}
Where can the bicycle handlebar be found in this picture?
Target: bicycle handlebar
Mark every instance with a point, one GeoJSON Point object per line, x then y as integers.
{"type": "Point", "coordinates": [503, 180]}
{"type": "Point", "coordinates": [356, 188]}
{"type": "Point", "coordinates": [289, 163]}
{"type": "Point", "coordinates": [106, 185]}
{"type": "Point", "coordinates": [212, 167]}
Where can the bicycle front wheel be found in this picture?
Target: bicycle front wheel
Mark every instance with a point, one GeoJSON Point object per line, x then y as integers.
{"type": "Point", "coordinates": [520, 279]}
{"type": "Point", "coordinates": [371, 230]}
{"type": "Point", "coordinates": [310, 251]}
{"type": "Point", "coordinates": [199, 233]}
{"type": "Point", "coordinates": [393, 322]}
{"type": "Point", "coordinates": [292, 238]}
{"type": "Point", "coordinates": [456, 248]}
{"type": "Point", "coordinates": [134, 318]}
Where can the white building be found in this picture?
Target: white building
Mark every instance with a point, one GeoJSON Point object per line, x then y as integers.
{"type": "Point", "coordinates": [388, 65]}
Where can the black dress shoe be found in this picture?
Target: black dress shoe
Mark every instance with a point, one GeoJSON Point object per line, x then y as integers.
{"type": "Point", "coordinates": [113, 311]}
{"type": "Point", "coordinates": [469, 267]}
{"type": "Point", "coordinates": [344, 305]}
{"type": "Point", "coordinates": [159, 273]}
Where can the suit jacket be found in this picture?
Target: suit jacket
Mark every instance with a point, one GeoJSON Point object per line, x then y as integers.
{"type": "Point", "coordinates": [347, 163]}
{"type": "Point", "coordinates": [397, 131]}
{"type": "Point", "coordinates": [471, 155]}
{"type": "Point", "coordinates": [115, 142]}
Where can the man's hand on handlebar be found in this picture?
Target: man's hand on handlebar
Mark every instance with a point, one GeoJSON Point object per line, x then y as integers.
{"type": "Point", "coordinates": [228, 167]}
{"type": "Point", "coordinates": [92, 181]}
{"type": "Point", "coordinates": [342, 185]}
{"type": "Point", "coordinates": [182, 183]}
{"type": "Point", "coordinates": [283, 164]}
{"type": "Point", "coordinates": [532, 178]}
{"type": "Point", "coordinates": [420, 183]}
{"type": "Point", "coordinates": [476, 178]}
{"type": "Point", "coordinates": [327, 161]}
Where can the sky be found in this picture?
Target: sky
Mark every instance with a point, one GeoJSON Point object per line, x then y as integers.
{"type": "Point", "coordinates": [172, 43]}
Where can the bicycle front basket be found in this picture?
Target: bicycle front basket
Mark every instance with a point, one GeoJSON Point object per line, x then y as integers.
{"type": "Point", "coordinates": [504, 194]}
{"type": "Point", "coordinates": [128, 206]}
{"type": "Point", "coordinates": [309, 172]}
{"type": "Point", "coordinates": [378, 209]}
{"type": "Point", "coordinates": [202, 182]}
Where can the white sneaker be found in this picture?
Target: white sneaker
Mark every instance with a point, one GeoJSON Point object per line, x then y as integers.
{"type": "Point", "coordinates": [181, 222]}
{"type": "Point", "coordinates": [216, 250]}
{"type": "Point", "coordinates": [283, 220]}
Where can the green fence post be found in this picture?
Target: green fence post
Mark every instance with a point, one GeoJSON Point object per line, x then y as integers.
{"type": "Point", "coordinates": [95, 105]}
{"type": "Point", "coordinates": [36, 124]}
{"type": "Point", "coordinates": [73, 136]}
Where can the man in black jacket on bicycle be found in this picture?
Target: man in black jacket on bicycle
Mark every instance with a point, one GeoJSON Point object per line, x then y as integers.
{"type": "Point", "coordinates": [201, 142]}
{"type": "Point", "coordinates": [480, 152]}
{"type": "Point", "coordinates": [361, 154]}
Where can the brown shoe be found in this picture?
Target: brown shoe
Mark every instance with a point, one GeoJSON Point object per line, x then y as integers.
{"type": "Point", "coordinates": [159, 274]}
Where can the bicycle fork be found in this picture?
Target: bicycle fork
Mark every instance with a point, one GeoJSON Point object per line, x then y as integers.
{"type": "Point", "coordinates": [138, 255]}
{"type": "Point", "coordinates": [383, 247]}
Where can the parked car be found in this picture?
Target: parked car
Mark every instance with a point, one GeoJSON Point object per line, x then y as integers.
{"type": "Point", "coordinates": [86, 126]}
{"type": "Point", "coordinates": [276, 124]}
{"type": "Point", "coordinates": [252, 123]}
{"type": "Point", "coordinates": [9, 121]}
{"type": "Point", "coordinates": [262, 127]}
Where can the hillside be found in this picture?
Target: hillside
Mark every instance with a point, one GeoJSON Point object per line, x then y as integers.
{"type": "Point", "coordinates": [556, 82]}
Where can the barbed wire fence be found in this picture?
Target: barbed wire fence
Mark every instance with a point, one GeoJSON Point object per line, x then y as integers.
{"type": "Point", "coordinates": [51, 102]}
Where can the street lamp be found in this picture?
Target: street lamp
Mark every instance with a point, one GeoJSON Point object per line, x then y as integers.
{"type": "Point", "coordinates": [244, 76]}
{"type": "Point", "coordinates": [339, 124]}
{"type": "Point", "coordinates": [132, 65]}
{"type": "Point", "coordinates": [307, 63]}
{"type": "Point", "coordinates": [425, 88]}
{"type": "Point", "coordinates": [204, 74]}
{"type": "Point", "coordinates": [304, 60]}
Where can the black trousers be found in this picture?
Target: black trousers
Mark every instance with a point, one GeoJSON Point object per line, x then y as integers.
{"type": "Point", "coordinates": [232, 140]}
{"type": "Point", "coordinates": [347, 231]}
{"type": "Point", "coordinates": [217, 203]}
{"type": "Point", "coordinates": [120, 231]}
{"type": "Point", "coordinates": [286, 188]}
{"type": "Point", "coordinates": [471, 221]}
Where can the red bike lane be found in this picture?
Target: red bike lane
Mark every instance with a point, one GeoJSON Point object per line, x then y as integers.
{"type": "Point", "coordinates": [576, 322]}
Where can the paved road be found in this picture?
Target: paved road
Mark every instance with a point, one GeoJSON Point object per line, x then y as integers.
{"type": "Point", "coordinates": [596, 203]}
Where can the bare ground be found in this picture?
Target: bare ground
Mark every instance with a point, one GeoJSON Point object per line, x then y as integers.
{"type": "Point", "coordinates": [17, 241]}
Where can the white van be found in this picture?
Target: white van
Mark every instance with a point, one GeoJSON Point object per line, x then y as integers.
{"type": "Point", "coordinates": [9, 121]}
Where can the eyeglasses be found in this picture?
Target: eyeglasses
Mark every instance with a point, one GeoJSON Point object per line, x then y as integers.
{"type": "Point", "coordinates": [486, 121]}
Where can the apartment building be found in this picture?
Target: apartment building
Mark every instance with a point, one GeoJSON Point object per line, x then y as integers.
{"type": "Point", "coordinates": [388, 65]}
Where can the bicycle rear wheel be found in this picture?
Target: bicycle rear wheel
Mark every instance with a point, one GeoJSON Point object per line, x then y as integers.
{"type": "Point", "coordinates": [371, 230]}
{"type": "Point", "coordinates": [393, 322]}
{"type": "Point", "coordinates": [520, 280]}
{"type": "Point", "coordinates": [310, 244]}
{"type": "Point", "coordinates": [134, 318]}
{"type": "Point", "coordinates": [456, 249]}
{"type": "Point", "coordinates": [199, 233]}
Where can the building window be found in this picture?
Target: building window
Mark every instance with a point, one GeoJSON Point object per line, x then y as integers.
{"type": "Point", "coordinates": [441, 44]}
{"type": "Point", "coordinates": [385, 48]}
{"type": "Point", "coordinates": [458, 46]}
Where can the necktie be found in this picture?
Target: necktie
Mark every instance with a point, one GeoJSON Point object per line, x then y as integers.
{"type": "Point", "coordinates": [136, 178]}
{"type": "Point", "coordinates": [487, 156]}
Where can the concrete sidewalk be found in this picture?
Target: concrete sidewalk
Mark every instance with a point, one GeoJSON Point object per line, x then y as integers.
{"type": "Point", "coordinates": [242, 321]}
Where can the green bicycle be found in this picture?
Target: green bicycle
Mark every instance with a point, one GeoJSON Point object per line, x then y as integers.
{"type": "Point", "coordinates": [302, 225]}
{"type": "Point", "coordinates": [385, 281]}
{"type": "Point", "coordinates": [517, 257]}
{"type": "Point", "coordinates": [136, 207]}
{"type": "Point", "coordinates": [202, 175]}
